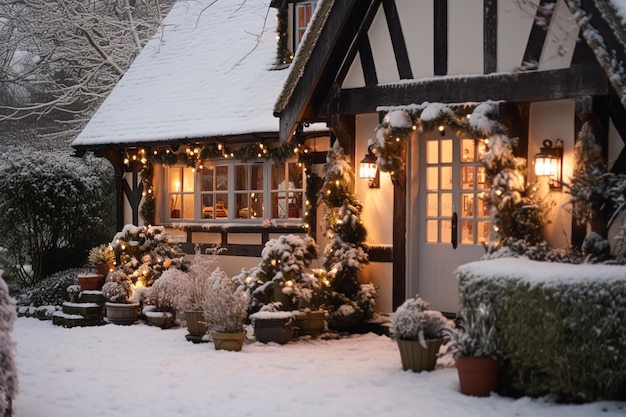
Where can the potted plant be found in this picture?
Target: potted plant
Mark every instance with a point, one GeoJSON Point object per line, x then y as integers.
{"type": "Point", "coordinates": [118, 291]}
{"type": "Point", "coordinates": [419, 333]}
{"type": "Point", "coordinates": [73, 291]}
{"type": "Point", "coordinates": [310, 319]}
{"type": "Point", "coordinates": [475, 351]}
{"type": "Point", "coordinates": [272, 325]}
{"type": "Point", "coordinates": [225, 311]}
{"type": "Point", "coordinates": [163, 298]}
{"type": "Point", "coordinates": [102, 257]}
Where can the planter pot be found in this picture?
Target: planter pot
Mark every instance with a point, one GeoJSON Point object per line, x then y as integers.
{"type": "Point", "coordinates": [310, 323]}
{"type": "Point", "coordinates": [417, 358]}
{"type": "Point", "coordinates": [118, 313]}
{"type": "Point", "coordinates": [103, 269]}
{"type": "Point", "coordinates": [162, 319]}
{"type": "Point", "coordinates": [478, 376]}
{"type": "Point", "coordinates": [228, 341]}
{"type": "Point", "coordinates": [195, 323]}
{"type": "Point", "coordinates": [90, 282]}
{"type": "Point", "coordinates": [273, 327]}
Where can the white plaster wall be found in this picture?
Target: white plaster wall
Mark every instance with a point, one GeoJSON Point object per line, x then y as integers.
{"type": "Point", "coordinates": [382, 50]}
{"type": "Point", "coordinates": [416, 18]}
{"type": "Point", "coordinates": [552, 120]}
{"type": "Point", "coordinates": [465, 37]}
{"type": "Point", "coordinates": [561, 40]}
{"type": "Point", "coordinates": [515, 19]}
{"type": "Point", "coordinates": [354, 78]}
{"type": "Point", "coordinates": [377, 216]}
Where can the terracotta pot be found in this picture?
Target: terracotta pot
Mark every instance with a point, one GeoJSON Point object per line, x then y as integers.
{"type": "Point", "coordinates": [228, 341]}
{"type": "Point", "coordinates": [478, 376]}
{"type": "Point", "coordinates": [417, 358]}
{"type": "Point", "coordinates": [118, 313]}
{"type": "Point", "coordinates": [195, 323]}
{"type": "Point", "coordinates": [90, 281]}
{"type": "Point", "coordinates": [277, 330]}
{"type": "Point", "coordinates": [103, 269]}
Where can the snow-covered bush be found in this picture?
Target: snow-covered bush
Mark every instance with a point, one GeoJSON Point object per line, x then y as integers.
{"type": "Point", "coordinates": [144, 252]}
{"type": "Point", "coordinates": [50, 291]}
{"type": "Point", "coordinates": [118, 287]}
{"type": "Point", "coordinates": [54, 209]}
{"type": "Point", "coordinates": [102, 254]}
{"type": "Point", "coordinates": [414, 320]}
{"type": "Point", "coordinates": [476, 333]}
{"type": "Point", "coordinates": [560, 328]}
{"type": "Point", "coordinates": [226, 304]}
{"type": "Point", "coordinates": [8, 369]}
{"type": "Point", "coordinates": [284, 261]}
{"type": "Point", "coordinates": [168, 292]}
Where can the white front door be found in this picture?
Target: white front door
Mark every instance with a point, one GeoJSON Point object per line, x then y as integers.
{"type": "Point", "coordinates": [453, 222]}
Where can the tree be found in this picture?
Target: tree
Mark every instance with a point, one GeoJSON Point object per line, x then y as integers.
{"type": "Point", "coordinates": [349, 302]}
{"type": "Point", "coordinates": [60, 58]}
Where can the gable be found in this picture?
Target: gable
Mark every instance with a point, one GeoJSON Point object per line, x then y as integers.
{"type": "Point", "coordinates": [408, 51]}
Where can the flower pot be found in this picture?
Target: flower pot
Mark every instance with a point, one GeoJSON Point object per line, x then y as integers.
{"type": "Point", "coordinates": [90, 281]}
{"type": "Point", "coordinates": [273, 327]}
{"type": "Point", "coordinates": [162, 319]}
{"type": "Point", "coordinates": [228, 341]}
{"type": "Point", "coordinates": [103, 269]}
{"type": "Point", "coordinates": [195, 323]}
{"type": "Point", "coordinates": [310, 323]}
{"type": "Point", "coordinates": [478, 376]}
{"type": "Point", "coordinates": [417, 358]}
{"type": "Point", "coordinates": [118, 313]}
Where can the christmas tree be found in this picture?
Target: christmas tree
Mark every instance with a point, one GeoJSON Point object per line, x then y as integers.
{"type": "Point", "coordinates": [349, 303]}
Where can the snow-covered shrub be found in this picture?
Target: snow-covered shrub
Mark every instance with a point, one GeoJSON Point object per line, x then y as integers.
{"type": "Point", "coordinates": [144, 252]}
{"type": "Point", "coordinates": [50, 291]}
{"type": "Point", "coordinates": [168, 292]}
{"type": "Point", "coordinates": [102, 254]}
{"type": "Point", "coordinates": [560, 327]}
{"type": "Point", "coordinates": [414, 320]}
{"type": "Point", "coordinates": [8, 369]}
{"type": "Point", "coordinates": [284, 261]}
{"type": "Point", "coordinates": [118, 287]}
{"type": "Point", "coordinates": [226, 304]}
{"type": "Point", "coordinates": [596, 248]}
{"type": "Point", "coordinates": [54, 209]}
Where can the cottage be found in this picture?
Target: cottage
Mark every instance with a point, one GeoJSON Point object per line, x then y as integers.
{"type": "Point", "coordinates": [544, 68]}
{"type": "Point", "coordinates": [190, 132]}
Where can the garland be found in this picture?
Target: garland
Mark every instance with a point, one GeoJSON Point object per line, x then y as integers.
{"type": "Point", "coordinates": [399, 123]}
{"type": "Point", "coordinates": [284, 54]}
{"type": "Point", "coordinates": [193, 157]}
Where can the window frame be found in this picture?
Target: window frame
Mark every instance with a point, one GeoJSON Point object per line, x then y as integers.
{"type": "Point", "coordinates": [298, 31]}
{"type": "Point", "coordinates": [231, 192]}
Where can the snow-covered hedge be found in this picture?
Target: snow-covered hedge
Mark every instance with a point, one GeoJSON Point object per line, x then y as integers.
{"type": "Point", "coordinates": [560, 329]}
{"type": "Point", "coordinates": [8, 370]}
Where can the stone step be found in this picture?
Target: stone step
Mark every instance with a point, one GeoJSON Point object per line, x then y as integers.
{"type": "Point", "coordinates": [60, 318]}
{"type": "Point", "coordinates": [91, 296]}
{"type": "Point", "coordinates": [86, 310]}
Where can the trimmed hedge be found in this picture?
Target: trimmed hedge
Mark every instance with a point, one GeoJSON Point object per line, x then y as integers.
{"type": "Point", "coordinates": [561, 328]}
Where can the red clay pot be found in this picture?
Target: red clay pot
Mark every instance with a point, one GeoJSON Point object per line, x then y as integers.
{"type": "Point", "coordinates": [478, 376]}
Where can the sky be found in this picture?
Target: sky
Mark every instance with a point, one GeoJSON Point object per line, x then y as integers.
{"type": "Point", "coordinates": [143, 371]}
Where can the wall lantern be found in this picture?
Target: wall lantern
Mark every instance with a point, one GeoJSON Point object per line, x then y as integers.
{"type": "Point", "coordinates": [368, 169]}
{"type": "Point", "coordinates": [549, 163]}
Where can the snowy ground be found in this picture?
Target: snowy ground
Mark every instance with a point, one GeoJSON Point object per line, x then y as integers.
{"type": "Point", "coordinates": [142, 371]}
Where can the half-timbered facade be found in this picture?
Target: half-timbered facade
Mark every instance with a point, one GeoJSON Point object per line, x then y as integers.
{"type": "Point", "coordinates": [548, 65]}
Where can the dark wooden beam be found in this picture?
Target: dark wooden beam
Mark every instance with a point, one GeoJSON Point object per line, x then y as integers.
{"type": "Point", "coordinates": [537, 37]}
{"type": "Point", "coordinates": [516, 87]}
{"type": "Point", "coordinates": [133, 195]}
{"type": "Point", "coordinates": [490, 36]}
{"type": "Point", "coordinates": [116, 159]}
{"type": "Point", "coordinates": [618, 117]}
{"type": "Point", "coordinates": [399, 238]}
{"type": "Point", "coordinates": [367, 61]}
{"type": "Point", "coordinates": [441, 37]}
{"type": "Point", "coordinates": [397, 40]}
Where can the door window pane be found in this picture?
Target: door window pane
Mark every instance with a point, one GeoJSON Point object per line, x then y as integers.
{"type": "Point", "coordinates": [432, 152]}
{"type": "Point", "coordinates": [446, 151]}
{"type": "Point", "coordinates": [446, 178]}
{"type": "Point", "coordinates": [432, 178]}
{"type": "Point", "coordinates": [446, 231]}
{"type": "Point", "coordinates": [432, 205]}
{"type": "Point", "coordinates": [446, 205]}
{"type": "Point", "coordinates": [431, 231]}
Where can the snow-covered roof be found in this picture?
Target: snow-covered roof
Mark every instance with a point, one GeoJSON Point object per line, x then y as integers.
{"type": "Point", "coordinates": [208, 72]}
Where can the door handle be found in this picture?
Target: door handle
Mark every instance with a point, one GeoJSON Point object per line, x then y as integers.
{"type": "Point", "coordinates": [455, 221]}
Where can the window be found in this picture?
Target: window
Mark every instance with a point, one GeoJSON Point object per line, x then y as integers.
{"type": "Point", "coordinates": [235, 191]}
{"type": "Point", "coordinates": [181, 193]}
{"type": "Point", "coordinates": [303, 13]}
